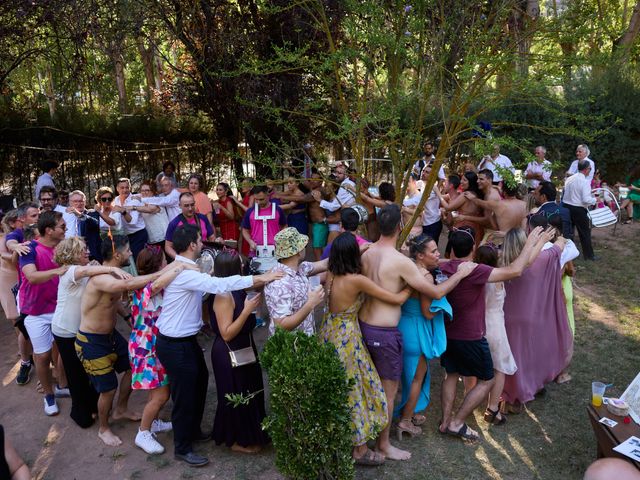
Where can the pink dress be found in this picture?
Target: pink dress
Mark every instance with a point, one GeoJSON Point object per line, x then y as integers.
{"type": "Point", "coordinates": [147, 373]}
{"type": "Point", "coordinates": [537, 327]}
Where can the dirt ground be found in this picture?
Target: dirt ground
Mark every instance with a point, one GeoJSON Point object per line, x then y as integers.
{"type": "Point", "coordinates": [552, 439]}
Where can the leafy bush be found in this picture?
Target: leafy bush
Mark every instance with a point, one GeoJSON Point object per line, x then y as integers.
{"type": "Point", "coordinates": [309, 419]}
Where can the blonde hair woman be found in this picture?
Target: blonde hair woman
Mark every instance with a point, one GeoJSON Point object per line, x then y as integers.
{"type": "Point", "coordinates": [73, 252]}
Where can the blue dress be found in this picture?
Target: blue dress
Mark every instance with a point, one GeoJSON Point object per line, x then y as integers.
{"type": "Point", "coordinates": [421, 337]}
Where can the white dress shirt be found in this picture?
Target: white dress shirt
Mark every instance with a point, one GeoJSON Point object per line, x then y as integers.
{"type": "Point", "coordinates": [70, 220]}
{"type": "Point", "coordinates": [171, 203]}
{"type": "Point", "coordinates": [573, 169]}
{"type": "Point", "coordinates": [577, 191]}
{"type": "Point", "coordinates": [534, 167]}
{"type": "Point", "coordinates": [344, 197]}
{"type": "Point", "coordinates": [431, 213]}
{"type": "Point", "coordinates": [501, 161]}
{"type": "Point", "coordinates": [137, 222]}
{"type": "Point", "coordinates": [181, 314]}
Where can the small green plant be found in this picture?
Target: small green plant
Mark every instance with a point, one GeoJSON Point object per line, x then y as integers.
{"type": "Point", "coordinates": [309, 419]}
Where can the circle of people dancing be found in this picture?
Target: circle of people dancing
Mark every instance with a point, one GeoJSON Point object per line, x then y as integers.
{"type": "Point", "coordinates": [495, 307]}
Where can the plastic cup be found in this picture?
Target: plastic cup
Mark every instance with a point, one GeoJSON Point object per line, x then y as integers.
{"type": "Point", "coordinates": [250, 295]}
{"type": "Point", "coordinates": [597, 392]}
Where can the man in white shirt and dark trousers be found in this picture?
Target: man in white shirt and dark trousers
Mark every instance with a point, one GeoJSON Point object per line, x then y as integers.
{"type": "Point", "coordinates": [177, 346]}
{"type": "Point", "coordinates": [345, 197]}
{"type": "Point", "coordinates": [133, 222]}
{"type": "Point", "coordinates": [577, 197]}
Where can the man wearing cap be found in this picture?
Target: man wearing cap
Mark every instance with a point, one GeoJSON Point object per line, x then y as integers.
{"type": "Point", "coordinates": [289, 299]}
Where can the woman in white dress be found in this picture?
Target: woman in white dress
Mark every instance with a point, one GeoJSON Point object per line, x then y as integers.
{"type": "Point", "coordinates": [503, 361]}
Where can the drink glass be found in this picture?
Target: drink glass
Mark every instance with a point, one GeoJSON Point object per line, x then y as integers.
{"type": "Point", "coordinates": [597, 392]}
{"type": "Point", "coordinates": [250, 295]}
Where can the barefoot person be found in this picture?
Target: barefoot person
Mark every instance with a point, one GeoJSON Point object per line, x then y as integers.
{"type": "Point", "coordinates": [99, 345]}
{"type": "Point", "coordinates": [177, 345]}
{"type": "Point", "coordinates": [392, 271]}
{"type": "Point", "coordinates": [467, 352]}
{"type": "Point", "coordinates": [345, 288]}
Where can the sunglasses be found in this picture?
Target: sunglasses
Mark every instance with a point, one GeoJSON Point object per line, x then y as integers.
{"type": "Point", "coordinates": [106, 199]}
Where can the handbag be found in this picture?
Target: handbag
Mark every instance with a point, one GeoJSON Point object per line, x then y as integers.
{"type": "Point", "coordinates": [243, 356]}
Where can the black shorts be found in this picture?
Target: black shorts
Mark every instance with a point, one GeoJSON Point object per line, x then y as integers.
{"type": "Point", "coordinates": [469, 358]}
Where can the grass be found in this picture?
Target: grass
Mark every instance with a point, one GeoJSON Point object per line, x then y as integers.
{"type": "Point", "coordinates": [552, 439]}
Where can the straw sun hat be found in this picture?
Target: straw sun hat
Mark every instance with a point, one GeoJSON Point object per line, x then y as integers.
{"type": "Point", "coordinates": [289, 242]}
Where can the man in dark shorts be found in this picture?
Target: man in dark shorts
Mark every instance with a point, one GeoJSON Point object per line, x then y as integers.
{"type": "Point", "coordinates": [467, 351]}
{"type": "Point", "coordinates": [100, 347]}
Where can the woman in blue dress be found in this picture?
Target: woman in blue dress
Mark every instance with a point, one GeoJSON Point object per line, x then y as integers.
{"type": "Point", "coordinates": [423, 337]}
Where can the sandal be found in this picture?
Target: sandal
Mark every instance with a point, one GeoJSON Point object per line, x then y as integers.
{"type": "Point", "coordinates": [418, 419]}
{"type": "Point", "coordinates": [464, 433]}
{"type": "Point", "coordinates": [491, 416]}
{"type": "Point", "coordinates": [370, 459]}
{"type": "Point", "coordinates": [405, 426]}
{"type": "Point", "coordinates": [627, 222]}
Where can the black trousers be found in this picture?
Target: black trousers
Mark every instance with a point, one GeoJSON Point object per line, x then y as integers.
{"type": "Point", "coordinates": [580, 220]}
{"type": "Point", "coordinates": [84, 398]}
{"type": "Point", "coordinates": [137, 241]}
{"type": "Point", "coordinates": [189, 377]}
{"type": "Point", "coordinates": [434, 230]}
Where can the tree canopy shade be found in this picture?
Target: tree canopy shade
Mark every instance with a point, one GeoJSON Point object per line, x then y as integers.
{"type": "Point", "coordinates": [357, 78]}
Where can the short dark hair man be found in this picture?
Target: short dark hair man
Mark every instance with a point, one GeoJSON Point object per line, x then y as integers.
{"type": "Point", "coordinates": [545, 197]}
{"type": "Point", "coordinates": [576, 198]}
{"type": "Point", "coordinates": [49, 169]}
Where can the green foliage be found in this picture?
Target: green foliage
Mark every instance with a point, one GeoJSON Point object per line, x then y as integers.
{"type": "Point", "coordinates": [309, 419]}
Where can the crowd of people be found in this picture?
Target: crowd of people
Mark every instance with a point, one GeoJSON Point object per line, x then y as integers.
{"type": "Point", "coordinates": [69, 271]}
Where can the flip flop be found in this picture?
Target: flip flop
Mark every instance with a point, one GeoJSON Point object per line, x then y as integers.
{"type": "Point", "coordinates": [463, 433]}
{"type": "Point", "coordinates": [491, 417]}
{"type": "Point", "coordinates": [370, 459]}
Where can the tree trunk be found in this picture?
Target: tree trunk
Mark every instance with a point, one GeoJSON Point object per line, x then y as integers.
{"type": "Point", "coordinates": [147, 58]}
{"type": "Point", "coordinates": [118, 69]}
{"type": "Point", "coordinates": [50, 93]}
{"type": "Point", "coordinates": [624, 42]}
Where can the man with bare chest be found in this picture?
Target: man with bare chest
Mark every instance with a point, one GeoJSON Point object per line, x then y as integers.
{"type": "Point", "coordinates": [100, 347]}
{"type": "Point", "coordinates": [383, 264]}
{"type": "Point", "coordinates": [509, 212]}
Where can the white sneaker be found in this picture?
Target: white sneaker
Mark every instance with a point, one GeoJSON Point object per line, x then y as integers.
{"type": "Point", "coordinates": [51, 407]}
{"type": "Point", "coordinates": [160, 426]}
{"type": "Point", "coordinates": [61, 392]}
{"type": "Point", "coordinates": [147, 442]}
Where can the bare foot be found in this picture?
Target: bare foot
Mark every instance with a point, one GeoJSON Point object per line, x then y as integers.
{"type": "Point", "coordinates": [126, 415]}
{"type": "Point", "coordinates": [109, 438]}
{"type": "Point", "coordinates": [564, 377]}
{"type": "Point", "coordinates": [250, 449]}
{"type": "Point", "coordinates": [393, 453]}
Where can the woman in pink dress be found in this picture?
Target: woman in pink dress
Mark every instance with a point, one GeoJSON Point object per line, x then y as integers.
{"type": "Point", "coordinates": [536, 321]}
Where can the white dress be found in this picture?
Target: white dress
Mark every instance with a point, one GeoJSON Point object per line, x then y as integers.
{"type": "Point", "coordinates": [501, 355]}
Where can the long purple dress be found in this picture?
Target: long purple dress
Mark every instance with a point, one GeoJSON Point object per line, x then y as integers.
{"type": "Point", "coordinates": [537, 327]}
{"type": "Point", "coordinates": [239, 424]}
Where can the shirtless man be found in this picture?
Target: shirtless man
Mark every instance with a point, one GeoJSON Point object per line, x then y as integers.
{"type": "Point", "coordinates": [317, 216]}
{"type": "Point", "coordinates": [100, 347]}
{"type": "Point", "coordinates": [390, 269]}
{"type": "Point", "coordinates": [487, 220]}
{"type": "Point", "coordinates": [509, 212]}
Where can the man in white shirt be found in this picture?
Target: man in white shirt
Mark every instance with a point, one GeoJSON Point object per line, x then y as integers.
{"type": "Point", "coordinates": [431, 221]}
{"type": "Point", "coordinates": [539, 170]}
{"type": "Point", "coordinates": [428, 158]}
{"type": "Point", "coordinates": [177, 346]}
{"type": "Point", "coordinates": [496, 159]}
{"type": "Point", "coordinates": [170, 201]}
{"type": "Point", "coordinates": [46, 179]}
{"type": "Point", "coordinates": [133, 223]}
{"type": "Point", "coordinates": [582, 153]}
{"type": "Point", "coordinates": [577, 197]}
{"type": "Point", "coordinates": [345, 197]}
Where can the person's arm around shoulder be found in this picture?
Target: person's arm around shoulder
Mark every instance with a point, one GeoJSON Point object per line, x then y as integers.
{"type": "Point", "coordinates": [368, 286]}
{"type": "Point", "coordinates": [109, 284]}
{"type": "Point", "coordinates": [93, 270]}
{"type": "Point", "coordinates": [319, 267]}
{"type": "Point", "coordinates": [35, 277]}
{"type": "Point", "coordinates": [223, 306]}
{"type": "Point", "coordinates": [412, 276]}
{"type": "Point", "coordinates": [170, 274]}
{"type": "Point", "coordinates": [518, 265]}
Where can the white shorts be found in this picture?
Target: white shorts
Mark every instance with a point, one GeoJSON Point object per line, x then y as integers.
{"type": "Point", "coordinates": [39, 329]}
{"type": "Point", "coordinates": [334, 227]}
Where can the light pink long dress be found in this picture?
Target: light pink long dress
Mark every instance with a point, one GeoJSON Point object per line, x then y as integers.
{"type": "Point", "coordinates": [537, 327]}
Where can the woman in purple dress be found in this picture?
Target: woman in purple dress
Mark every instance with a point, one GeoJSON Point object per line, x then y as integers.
{"type": "Point", "coordinates": [536, 321]}
{"type": "Point", "coordinates": [233, 321]}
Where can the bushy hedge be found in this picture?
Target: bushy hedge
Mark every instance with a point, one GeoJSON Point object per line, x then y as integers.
{"type": "Point", "coordinates": [309, 419]}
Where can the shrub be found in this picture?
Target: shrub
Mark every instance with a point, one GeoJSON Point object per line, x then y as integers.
{"type": "Point", "coordinates": [309, 419]}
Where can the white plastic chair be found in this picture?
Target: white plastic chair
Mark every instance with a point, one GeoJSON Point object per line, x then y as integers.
{"type": "Point", "coordinates": [603, 216]}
